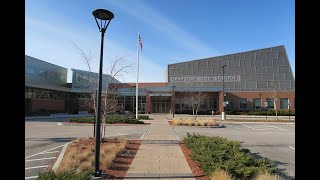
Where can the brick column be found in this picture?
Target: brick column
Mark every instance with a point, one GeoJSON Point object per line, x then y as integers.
{"type": "Point", "coordinates": [220, 102]}
{"type": "Point", "coordinates": [172, 102]}
{"type": "Point", "coordinates": [148, 102]}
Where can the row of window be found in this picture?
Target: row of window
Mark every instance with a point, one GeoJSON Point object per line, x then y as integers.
{"type": "Point", "coordinates": [89, 78]}
{"type": "Point", "coordinates": [256, 103]}
{"type": "Point", "coordinates": [43, 73]}
{"type": "Point", "coordinates": [37, 93]}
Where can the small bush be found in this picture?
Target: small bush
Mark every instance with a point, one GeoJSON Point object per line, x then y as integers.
{"type": "Point", "coordinates": [143, 117]}
{"type": "Point", "coordinates": [267, 176]}
{"type": "Point", "coordinates": [68, 175]}
{"type": "Point", "coordinates": [82, 119]}
{"type": "Point", "coordinates": [109, 120]}
{"type": "Point", "coordinates": [220, 175]}
{"type": "Point", "coordinates": [214, 153]}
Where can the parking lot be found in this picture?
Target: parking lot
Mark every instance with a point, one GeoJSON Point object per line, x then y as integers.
{"type": "Point", "coordinates": [274, 141]}
{"type": "Point", "coordinates": [44, 140]}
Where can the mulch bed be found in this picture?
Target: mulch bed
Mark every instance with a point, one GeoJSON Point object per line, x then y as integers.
{"type": "Point", "coordinates": [194, 166]}
{"type": "Point", "coordinates": [121, 163]}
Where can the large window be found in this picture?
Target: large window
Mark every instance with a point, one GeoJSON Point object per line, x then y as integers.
{"type": "Point", "coordinates": [243, 104]}
{"type": "Point", "coordinates": [213, 104]}
{"type": "Point", "coordinates": [230, 104]}
{"type": "Point", "coordinates": [283, 103]}
{"type": "Point", "coordinates": [30, 70]}
{"type": "Point", "coordinates": [42, 73]}
{"type": "Point", "coordinates": [270, 103]}
{"type": "Point", "coordinates": [256, 103]}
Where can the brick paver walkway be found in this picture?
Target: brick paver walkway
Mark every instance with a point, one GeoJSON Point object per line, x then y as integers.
{"type": "Point", "coordinates": [159, 155]}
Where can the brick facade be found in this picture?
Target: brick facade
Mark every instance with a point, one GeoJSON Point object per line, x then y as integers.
{"type": "Point", "coordinates": [47, 104]}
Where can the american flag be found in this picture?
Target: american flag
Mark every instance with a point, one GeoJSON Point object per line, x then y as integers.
{"type": "Point", "coordinates": [140, 42]}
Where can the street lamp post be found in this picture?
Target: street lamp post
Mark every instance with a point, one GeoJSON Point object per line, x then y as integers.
{"type": "Point", "coordinates": [104, 16]}
{"type": "Point", "coordinates": [173, 103]}
{"type": "Point", "coordinates": [223, 112]}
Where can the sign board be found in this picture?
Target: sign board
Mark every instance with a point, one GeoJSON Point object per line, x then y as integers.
{"type": "Point", "coordinates": [224, 104]}
{"type": "Point", "coordinates": [234, 78]}
{"type": "Point", "coordinates": [227, 102]}
{"type": "Point", "coordinates": [289, 104]}
{"type": "Point", "coordinates": [266, 104]}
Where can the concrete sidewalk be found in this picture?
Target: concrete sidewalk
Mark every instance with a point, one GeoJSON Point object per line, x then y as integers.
{"type": "Point", "coordinates": [159, 155]}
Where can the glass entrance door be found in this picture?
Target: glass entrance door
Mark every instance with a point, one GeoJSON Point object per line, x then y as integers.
{"type": "Point", "coordinates": [160, 107]}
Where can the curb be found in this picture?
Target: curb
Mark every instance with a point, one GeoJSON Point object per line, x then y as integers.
{"type": "Point", "coordinates": [58, 161]}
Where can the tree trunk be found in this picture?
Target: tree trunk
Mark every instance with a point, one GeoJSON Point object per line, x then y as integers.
{"type": "Point", "coordinates": [196, 113]}
{"type": "Point", "coordinates": [275, 106]}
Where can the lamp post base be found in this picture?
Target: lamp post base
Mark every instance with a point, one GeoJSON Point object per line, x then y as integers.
{"type": "Point", "coordinates": [223, 116]}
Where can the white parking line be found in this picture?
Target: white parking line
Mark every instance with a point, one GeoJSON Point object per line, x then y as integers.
{"type": "Point", "coordinates": [43, 151]}
{"type": "Point", "coordinates": [36, 167]}
{"type": "Point", "coordinates": [292, 147]}
{"type": "Point", "coordinates": [248, 126]}
{"type": "Point", "coordinates": [267, 132]}
{"type": "Point", "coordinates": [144, 133]}
{"type": "Point", "coordinates": [278, 128]}
{"type": "Point", "coordinates": [39, 159]}
{"type": "Point", "coordinates": [31, 177]}
{"type": "Point", "coordinates": [49, 152]}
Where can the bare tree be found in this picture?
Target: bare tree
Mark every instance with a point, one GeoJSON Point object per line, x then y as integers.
{"type": "Point", "coordinates": [89, 99]}
{"type": "Point", "coordinates": [118, 68]}
{"type": "Point", "coordinates": [274, 88]}
{"type": "Point", "coordinates": [194, 100]}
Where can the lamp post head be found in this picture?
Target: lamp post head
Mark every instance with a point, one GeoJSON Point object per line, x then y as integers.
{"type": "Point", "coordinates": [223, 66]}
{"type": "Point", "coordinates": [173, 88]}
{"type": "Point", "coordinates": [103, 15]}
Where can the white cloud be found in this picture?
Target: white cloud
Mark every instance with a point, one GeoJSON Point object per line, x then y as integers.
{"type": "Point", "coordinates": [147, 14]}
{"type": "Point", "coordinates": [55, 44]}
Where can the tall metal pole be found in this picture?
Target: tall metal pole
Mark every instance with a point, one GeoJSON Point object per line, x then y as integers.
{"type": "Point", "coordinates": [137, 76]}
{"type": "Point", "coordinates": [173, 103]}
{"type": "Point", "coordinates": [223, 103]}
{"type": "Point", "coordinates": [98, 115]}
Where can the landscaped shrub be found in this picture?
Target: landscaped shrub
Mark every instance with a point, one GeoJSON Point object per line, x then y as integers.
{"type": "Point", "coordinates": [109, 120]}
{"type": "Point", "coordinates": [82, 119]}
{"type": "Point", "coordinates": [213, 153]}
{"type": "Point", "coordinates": [69, 175]}
{"type": "Point", "coordinates": [122, 119]}
{"type": "Point", "coordinates": [143, 117]}
{"type": "Point", "coordinates": [267, 176]}
{"type": "Point", "coordinates": [220, 175]}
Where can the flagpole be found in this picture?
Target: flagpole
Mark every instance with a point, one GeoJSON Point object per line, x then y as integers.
{"type": "Point", "coordinates": [137, 76]}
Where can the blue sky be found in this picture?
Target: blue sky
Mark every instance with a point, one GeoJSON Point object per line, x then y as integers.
{"type": "Point", "coordinates": [171, 30]}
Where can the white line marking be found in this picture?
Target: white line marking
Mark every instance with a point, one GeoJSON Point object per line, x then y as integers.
{"type": "Point", "coordinates": [122, 134]}
{"type": "Point", "coordinates": [40, 159]}
{"type": "Point", "coordinates": [292, 147]}
{"type": "Point", "coordinates": [278, 128]}
{"type": "Point", "coordinates": [49, 152]}
{"type": "Point", "coordinates": [31, 177]}
{"type": "Point", "coordinates": [43, 151]}
{"type": "Point", "coordinates": [267, 132]}
{"type": "Point", "coordinates": [145, 132]}
{"type": "Point", "coordinates": [248, 126]}
{"type": "Point", "coordinates": [36, 167]}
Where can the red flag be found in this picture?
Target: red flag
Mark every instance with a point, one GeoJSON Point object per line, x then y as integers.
{"type": "Point", "coordinates": [140, 42]}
